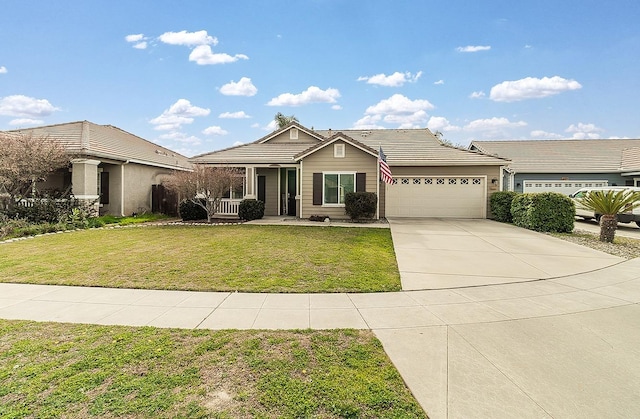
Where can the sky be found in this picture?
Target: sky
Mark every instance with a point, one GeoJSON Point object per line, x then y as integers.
{"type": "Point", "coordinates": [204, 75]}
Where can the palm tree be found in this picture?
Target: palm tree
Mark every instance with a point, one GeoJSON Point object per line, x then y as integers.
{"type": "Point", "coordinates": [609, 204]}
{"type": "Point", "coordinates": [283, 120]}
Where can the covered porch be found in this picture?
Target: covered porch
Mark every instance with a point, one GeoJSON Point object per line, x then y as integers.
{"type": "Point", "coordinates": [277, 186]}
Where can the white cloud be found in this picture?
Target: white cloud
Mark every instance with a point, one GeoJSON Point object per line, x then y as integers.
{"type": "Point", "coordinates": [243, 87]}
{"type": "Point", "coordinates": [442, 124]}
{"type": "Point", "coordinates": [473, 48]}
{"type": "Point", "coordinates": [439, 82]}
{"type": "Point", "coordinates": [214, 130]}
{"type": "Point", "coordinates": [492, 124]}
{"type": "Point", "coordinates": [181, 137]}
{"type": "Point", "coordinates": [180, 113]}
{"type": "Point", "coordinates": [24, 106]}
{"type": "Point", "coordinates": [21, 122]}
{"type": "Point", "coordinates": [237, 143]}
{"type": "Point", "coordinates": [394, 80]}
{"type": "Point", "coordinates": [234, 115]}
{"type": "Point", "coordinates": [336, 107]}
{"type": "Point", "coordinates": [3, 69]}
{"type": "Point", "coordinates": [477, 95]}
{"type": "Point", "coordinates": [271, 126]}
{"type": "Point", "coordinates": [189, 39]}
{"type": "Point", "coordinates": [139, 40]}
{"type": "Point", "coordinates": [399, 105]}
{"type": "Point", "coordinates": [582, 131]}
{"type": "Point", "coordinates": [531, 88]}
{"type": "Point", "coordinates": [545, 135]}
{"type": "Point", "coordinates": [134, 38]}
{"type": "Point", "coordinates": [368, 122]}
{"type": "Point", "coordinates": [312, 95]}
{"type": "Point", "coordinates": [203, 55]}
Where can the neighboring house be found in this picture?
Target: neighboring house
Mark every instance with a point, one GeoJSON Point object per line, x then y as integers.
{"type": "Point", "coordinates": [111, 168]}
{"type": "Point", "coordinates": [300, 172]}
{"type": "Point", "coordinates": [566, 165]}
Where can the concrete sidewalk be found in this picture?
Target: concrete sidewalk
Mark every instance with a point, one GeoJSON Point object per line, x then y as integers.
{"type": "Point", "coordinates": [565, 347]}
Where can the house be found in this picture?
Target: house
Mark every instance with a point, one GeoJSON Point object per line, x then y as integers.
{"type": "Point", "coordinates": [566, 165]}
{"type": "Point", "coordinates": [113, 170]}
{"type": "Point", "coordinates": [301, 172]}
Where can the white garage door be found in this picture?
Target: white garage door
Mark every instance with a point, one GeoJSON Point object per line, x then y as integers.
{"type": "Point", "coordinates": [437, 196]}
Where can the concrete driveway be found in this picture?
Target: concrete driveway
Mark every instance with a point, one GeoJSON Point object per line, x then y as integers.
{"type": "Point", "coordinates": [437, 253]}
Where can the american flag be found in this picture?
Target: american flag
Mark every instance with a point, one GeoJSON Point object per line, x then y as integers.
{"type": "Point", "coordinates": [385, 171]}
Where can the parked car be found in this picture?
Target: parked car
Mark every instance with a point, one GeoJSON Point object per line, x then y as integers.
{"type": "Point", "coordinates": [587, 214]}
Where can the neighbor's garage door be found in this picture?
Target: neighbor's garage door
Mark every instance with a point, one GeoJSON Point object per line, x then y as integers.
{"type": "Point", "coordinates": [437, 196]}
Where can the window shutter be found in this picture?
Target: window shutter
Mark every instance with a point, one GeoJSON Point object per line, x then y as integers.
{"type": "Point", "coordinates": [317, 189]}
{"type": "Point", "coordinates": [104, 188]}
{"type": "Point", "coordinates": [361, 182]}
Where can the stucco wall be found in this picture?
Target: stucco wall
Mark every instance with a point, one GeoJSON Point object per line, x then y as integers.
{"type": "Point", "coordinates": [355, 160]}
{"type": "Point", "coordinates": [137, 186]}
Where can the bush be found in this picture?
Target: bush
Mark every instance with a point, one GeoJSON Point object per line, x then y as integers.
{"type": "Point", "coordinates": [547, 211]}
{"type": "Point", "coordinates": [500, 204]}
{"type": "Point", "coordinates": [360, 204]}
{"type": "Point", "coordinates": [189, 211]}
{"type": "Point", "coordinates": [251, 209]}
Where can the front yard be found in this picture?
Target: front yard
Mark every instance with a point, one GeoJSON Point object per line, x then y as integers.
{"type": "Point", "coordinates": [246, 258]}
{"type": "Point", "coordinates": [79, 371]}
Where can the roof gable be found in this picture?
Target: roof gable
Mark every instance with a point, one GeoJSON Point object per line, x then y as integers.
{"type": "Point", "coordinates": [336, 137]}
{"type": "Point", "coordinates": [280, 135]}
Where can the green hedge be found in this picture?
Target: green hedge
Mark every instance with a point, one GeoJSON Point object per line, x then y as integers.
{"type": "Point", "coordinates": [547, 212]}
{"type": "Point", "coordinates": [250, 209]}
{"type": "Point", "coordinates": [360, 204]}
{"type": "Point", "coordinates": [500, 204]}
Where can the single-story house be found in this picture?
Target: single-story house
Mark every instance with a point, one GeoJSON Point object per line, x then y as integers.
{"type": "Point", "coordinates": [116, 171]}
{"type": "Point", "coordinates": [301, 172]}
{"type": "Point", "coordinates": [565, 165]}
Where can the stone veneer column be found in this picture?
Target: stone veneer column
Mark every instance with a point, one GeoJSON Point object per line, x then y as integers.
{"type": "Point", "coordinates": [84, 181]}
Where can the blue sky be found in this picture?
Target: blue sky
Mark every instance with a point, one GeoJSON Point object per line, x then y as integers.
{"type": "Point", "coordinates": [203, 75]}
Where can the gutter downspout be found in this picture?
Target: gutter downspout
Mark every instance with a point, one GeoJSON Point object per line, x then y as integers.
{"type": "Point", "coordinates": [122, 188]}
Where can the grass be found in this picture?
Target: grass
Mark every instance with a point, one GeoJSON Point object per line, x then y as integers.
{"type": "Point", "coordinates": [77, 371]}
{"type": "Point", "coordinates": [249, 258]}
{"type": "Point", "coordinates": [137, 219]}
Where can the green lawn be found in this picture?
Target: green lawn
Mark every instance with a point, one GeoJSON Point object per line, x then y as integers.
{"type": "Point", "coordinates": [249, 258]}
{"type": "Point", "coordinates": [78, 371]}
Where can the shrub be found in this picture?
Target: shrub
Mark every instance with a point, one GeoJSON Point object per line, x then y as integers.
{"type": "Point", "coordinates": [251, 209]}
{"type": "Point", "coordinates": [360, 204]}
{"type": "Point", "coordinates": [547, 211]}
{"type": "Point", "coordinates": [189, 211]}
{"type": "Point", "coordinates": [500, 204]}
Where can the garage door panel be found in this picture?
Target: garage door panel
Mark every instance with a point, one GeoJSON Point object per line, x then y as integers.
{"type": "Point", "coordinates": [437, 196]}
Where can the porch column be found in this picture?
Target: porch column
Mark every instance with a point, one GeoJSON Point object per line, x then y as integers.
{"type": "Point", "coordinates": [250, 181]}
{"type": "Point", "coordinates": [84, 181]}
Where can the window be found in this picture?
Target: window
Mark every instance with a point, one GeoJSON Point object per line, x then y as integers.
{"type": "Point", "coordinates": [338, 150]}
{"type": "Point", "coordinates": [293, 134]}
{"type": "Point", "coordinates": [336, 186]}
{"type": "Point", "coordinates": [236, 192]}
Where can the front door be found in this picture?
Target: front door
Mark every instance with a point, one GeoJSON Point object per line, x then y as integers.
{"type": "Point", "coordinates": [291, 192]}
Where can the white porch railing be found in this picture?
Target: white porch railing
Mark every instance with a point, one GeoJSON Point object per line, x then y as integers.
{"type": "Point", "coordinates": [229, 206]}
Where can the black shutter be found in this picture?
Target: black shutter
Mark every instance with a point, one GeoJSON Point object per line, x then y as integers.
{"type": "Point", "coordinates": [361, 182]}
{"type": "Point", "coordinates": [317, 189]}
{"type": "Point", "coordinates": [262, 188]}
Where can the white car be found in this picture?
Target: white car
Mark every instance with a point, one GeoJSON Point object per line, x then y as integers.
{"type": "Point", "coordinates": [624, 217]}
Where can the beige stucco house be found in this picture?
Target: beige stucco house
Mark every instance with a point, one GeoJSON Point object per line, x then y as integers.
{"type": "Point", "coordinates": [113, 169]}
{"type": "Point", "coordinates": [301, 172]}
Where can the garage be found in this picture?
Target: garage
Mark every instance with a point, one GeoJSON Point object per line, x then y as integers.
{"type": "Point", "coordinates": [437, 196]}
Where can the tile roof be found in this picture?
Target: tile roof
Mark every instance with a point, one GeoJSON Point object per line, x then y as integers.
{"type": "Point", "coordinates": [108, 142]}
{"type": "Point", "coordinates": [631, 159]}
{"type": "Point", "coordinates": [568, 156]}
{"type": "Point", "coordinates": [336, 137]}
{"type": "Point", "coordinates": [403, 147]}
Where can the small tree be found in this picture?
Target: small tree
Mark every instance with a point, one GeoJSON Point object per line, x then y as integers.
{"type": "Point", "coordinates": [205, 186]}
{"type": "Point", "coordinates": [283, 120]}
{"type": "Point", "coordinates": [26, 159]}
{"type": "Point", "coordinates": [609, 204]}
